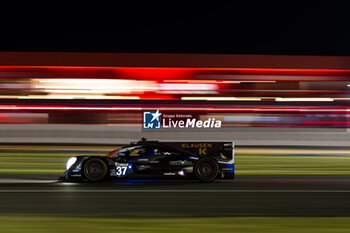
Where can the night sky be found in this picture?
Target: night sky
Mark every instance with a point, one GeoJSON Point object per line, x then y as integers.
{"type": "Point", "coordinates": [232, 27]}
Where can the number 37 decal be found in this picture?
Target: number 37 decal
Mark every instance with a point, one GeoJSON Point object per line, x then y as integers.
{"type": "Point", "coordinates": [121, 170]}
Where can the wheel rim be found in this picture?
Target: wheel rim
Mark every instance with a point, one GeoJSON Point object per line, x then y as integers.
{"type": "Point", "coordinates": [95, 170]}
{"type": "Point", "coordinates": [206, 169]}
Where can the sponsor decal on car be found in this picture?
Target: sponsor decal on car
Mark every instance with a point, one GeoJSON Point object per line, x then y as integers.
{"type": "Point", "coordinates": [143, 160]}
{"type": "Point", "coordinates": [169, 173]}
{"type": "Point", "coordinates": [202, 147]}
{"type": "Point", "coordinates": [180, 162]}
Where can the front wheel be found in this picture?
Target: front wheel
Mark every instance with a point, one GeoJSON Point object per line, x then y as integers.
{"type": "Point", "coordinates": [95, 169]}
{"type": "Point", "coordinates": [206, 169]}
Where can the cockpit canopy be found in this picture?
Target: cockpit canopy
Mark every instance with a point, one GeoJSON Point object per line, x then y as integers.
{"type": "Point", "coordinates": [130, 151]}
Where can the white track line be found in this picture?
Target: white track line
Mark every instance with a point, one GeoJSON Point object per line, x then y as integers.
{"type": "Point", "coordinates": [167, 191]}
{"type": "Point", "coordinates": [25, 181]}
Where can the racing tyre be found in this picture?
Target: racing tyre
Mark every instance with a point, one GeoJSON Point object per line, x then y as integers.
{"type": "Point", "coordinates": [206, 169]}
{"type": "Point", "coordinates": [95, 169]}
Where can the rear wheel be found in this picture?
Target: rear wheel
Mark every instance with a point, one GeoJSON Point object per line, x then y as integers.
{"type": "Point", "coordinates": [95, 169]}
{"type": "Point", "coordinates": [206, 169]}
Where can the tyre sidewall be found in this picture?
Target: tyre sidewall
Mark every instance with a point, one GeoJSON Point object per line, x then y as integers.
{"type": "Point", "coordinates": [89, 161]}
{"type": "Point", "coordinates": [204, 179]}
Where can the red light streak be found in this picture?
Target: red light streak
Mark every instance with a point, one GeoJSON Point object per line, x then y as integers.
{"type": "Point", "coordinates": [166, 108]}
{"type": "Point", "coordinates": [160, 73]}
{"type": "Point", "coordinates": [325, 123]}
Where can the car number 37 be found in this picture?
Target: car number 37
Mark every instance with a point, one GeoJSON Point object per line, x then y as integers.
{"type": "Point", "coordinates": [121, 170]}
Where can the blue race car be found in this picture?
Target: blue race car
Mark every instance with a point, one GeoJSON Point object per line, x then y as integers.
{"type": "Point", "coordinates": [205, 161]}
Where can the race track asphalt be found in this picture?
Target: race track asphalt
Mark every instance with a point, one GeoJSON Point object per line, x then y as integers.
{"type": "Point", "coordinates": [245, 196]}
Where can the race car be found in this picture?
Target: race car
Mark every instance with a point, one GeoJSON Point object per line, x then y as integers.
{"type": "Point", "coordinates": [205, 161]}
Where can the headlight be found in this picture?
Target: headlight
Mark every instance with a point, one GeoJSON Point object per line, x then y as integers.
{"type": "Point", "coordinates": [71, 161]}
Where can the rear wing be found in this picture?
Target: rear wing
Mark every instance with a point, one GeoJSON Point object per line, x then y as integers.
{"type": "Point", "coordinates": [222, 151]}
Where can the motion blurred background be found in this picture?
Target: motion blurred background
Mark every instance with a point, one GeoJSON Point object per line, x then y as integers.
{"type": "Point", "coordinates": [91, 103]}
{"type": "Point", "coordinates": [55, 105]}
{"type": "Point", "coordinates": [265, 100]}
